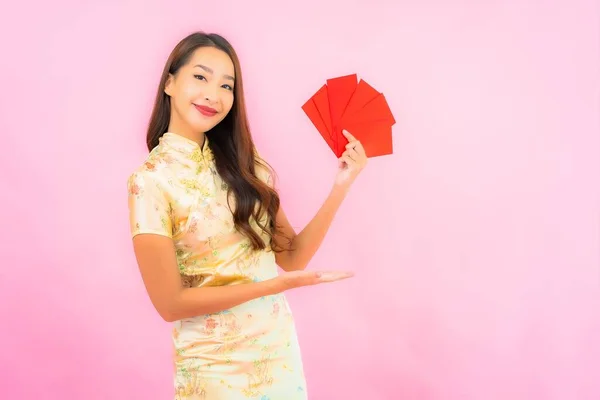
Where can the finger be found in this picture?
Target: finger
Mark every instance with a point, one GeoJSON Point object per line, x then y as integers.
{"type": "Point", "coordinates": [356, 145]}
{"type": "Point", "coordinates": [332, 276]}
{"type": "Point", "coordinates": [348, 135]}
{"type": "Point", "coordinates": [336, 274]}
{"type": "Point", "coordinates": [352, 154]}
{"type": "Point", "coordinates": [349, 161]}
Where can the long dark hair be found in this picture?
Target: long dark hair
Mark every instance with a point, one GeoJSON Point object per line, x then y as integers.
{"type": "Point", "coordinates": [230, 141]}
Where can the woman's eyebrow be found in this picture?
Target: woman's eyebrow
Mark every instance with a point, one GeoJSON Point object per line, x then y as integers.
{"type": "Point", "coordinates": [210, 71]}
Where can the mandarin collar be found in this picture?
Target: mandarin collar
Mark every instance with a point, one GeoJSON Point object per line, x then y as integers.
{"type": "Point", "coordinates": [188, 148]}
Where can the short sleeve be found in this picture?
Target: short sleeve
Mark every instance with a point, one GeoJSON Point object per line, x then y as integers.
{"type": "Point", "coordinates": [149, 209]}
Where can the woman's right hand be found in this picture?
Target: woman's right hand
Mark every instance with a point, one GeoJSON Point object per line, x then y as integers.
{"type": "Point", "coordinates": [295, 279]}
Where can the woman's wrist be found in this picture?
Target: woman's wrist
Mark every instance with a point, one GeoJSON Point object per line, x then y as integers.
{"type": "Point", "coordinates": [340, 189]}
{"type": "Point", "coordinates": [275, 285]}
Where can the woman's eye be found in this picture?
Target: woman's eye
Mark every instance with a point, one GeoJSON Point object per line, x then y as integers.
{"type": "Point", "coordinates": [227, 87]}
{"type": "Point", "coordinates": [199, 77]}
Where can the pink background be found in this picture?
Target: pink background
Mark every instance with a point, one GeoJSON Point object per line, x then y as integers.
{"type": "Point", "coordinates": [476, 245]}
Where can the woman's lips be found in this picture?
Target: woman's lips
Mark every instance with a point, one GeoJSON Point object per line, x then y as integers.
{"type": "Point", "coordinates": [207, 111]}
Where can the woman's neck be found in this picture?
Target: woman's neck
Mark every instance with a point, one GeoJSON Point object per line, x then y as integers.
{"type": "Point", "coordinates": [197, 137]}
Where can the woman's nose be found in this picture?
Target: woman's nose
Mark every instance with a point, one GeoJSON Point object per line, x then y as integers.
{"type": "Point", "coordinates": [210, 93]}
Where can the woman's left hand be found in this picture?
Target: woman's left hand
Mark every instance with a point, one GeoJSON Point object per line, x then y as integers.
{"type": "Point", "coordinates": [352, 161]}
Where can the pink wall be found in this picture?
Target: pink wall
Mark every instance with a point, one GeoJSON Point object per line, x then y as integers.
{"type": "Point", "coordinates": [476, 245]}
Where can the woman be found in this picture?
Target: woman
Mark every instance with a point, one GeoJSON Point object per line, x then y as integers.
{"type": "Point", "coordinates": [209, 233]}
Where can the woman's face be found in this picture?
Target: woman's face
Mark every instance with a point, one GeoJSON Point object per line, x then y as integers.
{"type": "Point", "coordinates": [201, 91]}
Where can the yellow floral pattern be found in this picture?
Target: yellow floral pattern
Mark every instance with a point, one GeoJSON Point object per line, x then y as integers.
{"type": "Point", "coordinates": [250, 351]}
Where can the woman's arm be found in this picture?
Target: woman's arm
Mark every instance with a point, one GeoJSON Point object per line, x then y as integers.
{"type": "Point", "coordinates": [157, 262]}
{"type": "Point", "coordinates": [305, 244]}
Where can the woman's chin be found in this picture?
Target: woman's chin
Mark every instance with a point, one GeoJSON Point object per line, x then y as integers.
{"type": "Point", "coordinates": [204, 125]}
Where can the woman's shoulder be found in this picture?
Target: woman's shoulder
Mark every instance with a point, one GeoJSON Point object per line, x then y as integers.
{"type": "Point", "coordinates": [153, 169]}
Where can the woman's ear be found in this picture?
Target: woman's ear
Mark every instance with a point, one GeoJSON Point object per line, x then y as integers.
{"type": "Point", "coordinates": [169, 85]}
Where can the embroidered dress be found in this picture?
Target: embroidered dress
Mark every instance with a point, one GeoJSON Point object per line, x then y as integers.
{"type": "Point", "coordinates": [250, 351]}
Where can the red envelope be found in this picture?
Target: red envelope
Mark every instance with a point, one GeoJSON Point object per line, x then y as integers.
{"type": "Point", "coordinates": [344, 103]}
{"type": "Point", "coordinates": [320, 120]}
{"type": "Point", "coordinates": [340, 91]}
{"type": "Point", "coordinates": [363, 94]}
{"type": "Point", "coordinates": [376, 137]}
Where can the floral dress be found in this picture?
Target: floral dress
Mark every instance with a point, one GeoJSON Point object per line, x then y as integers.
{"type": "Point", "coordinates": [250, 351]}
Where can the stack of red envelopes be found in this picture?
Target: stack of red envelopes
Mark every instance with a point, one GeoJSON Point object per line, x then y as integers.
{"type": "Point", "coordinates": [345, 103]}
